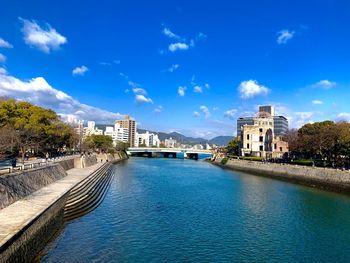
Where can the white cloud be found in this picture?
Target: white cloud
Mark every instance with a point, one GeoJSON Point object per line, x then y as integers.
{"type": "Point", "coordinates": [343, 116]}
{"type": "Point", "coordinates": [196, 114]}
{"type": "Point", "coordinates": [3, 71]}
{"type": "Point", "coordinates": [197, 89]}
{"type": "Point", "coordinates": [45, 39]}
{"type": "Point", "coordinates": [182, 91]}
{"type": "Point", "coordinates": [201, 36]}
{"type": "Point", "coordinates": [139, 91]}
{"type": "Point", "coordinates": [178, 46]}
{"type": "Point", "coordinates": [317, 102]}
{"type": "Point", "coordinates": [39, 92]}
{"type": "Point", "coordinates": [173, 68]}
{"type": "Point", "coordinates": [251, 88]}
{"type": "Point", "coordinates": [284, 36]}
{"type": "Point", "coordinates": [5, 44]}
{"type": "Point", "coordinates": [140, 99]}
{"type": "Point", "coordinates": [169, 33]}
{"type": "Point", "coordinates": [207, 86]}
{"type": "Point", "coordinates": [158, 109]}
{"type": "Point", "coordinates": [80, 71]}
{"type": "Point", "coordinates": [230, 113]}
{"type": "Point", "coordinates": [2, 58]}
{"type": "Point", "coordinates": [205, 110]}
{"type": "Point", "coordinates": [325, 84]}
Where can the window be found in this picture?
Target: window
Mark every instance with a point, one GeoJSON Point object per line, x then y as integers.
{"type": "Point", "coordinates": [247, 145]}
{"type": "Point", "coordinates": [260, 130]}
{"type": "Point", "coordinates": [261, 148]}
{"type": "Point", "coordinates": [247, 136]}
{"type": "Point", "coordinates": [261, 139]}
{"type": "Point", "coordinates": [275, 146]}
{"type": "Point", "coordinates": [280, 149]}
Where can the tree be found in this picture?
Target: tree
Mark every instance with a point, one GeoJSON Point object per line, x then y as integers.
{"type": "Point", "coordinates": [99, 142]}
{"type": "Point", "coordinates": [233, 146]}
{"type": "Point", "coordinates": [32, 127]}
{"type": "Point", "coordinates": [122, 146]}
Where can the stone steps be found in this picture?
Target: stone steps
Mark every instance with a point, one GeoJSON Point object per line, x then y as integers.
{"type": "Point", "coordinates": [89, 194]}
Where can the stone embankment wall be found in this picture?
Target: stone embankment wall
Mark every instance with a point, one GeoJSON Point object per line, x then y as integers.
{"type": "Point", "coordinates": [325, 178]}
{"type": "Point", "coordinates": [32, 237]}
{"type": "Point", "coordinates": [19, 185]}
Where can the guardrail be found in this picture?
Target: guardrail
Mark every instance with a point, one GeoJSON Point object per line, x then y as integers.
{"type": "Point", "coordinates": [32, 165]}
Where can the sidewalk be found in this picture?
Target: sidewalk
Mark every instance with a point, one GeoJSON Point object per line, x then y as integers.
{"type": "Point", "coordinates": [23, 212]}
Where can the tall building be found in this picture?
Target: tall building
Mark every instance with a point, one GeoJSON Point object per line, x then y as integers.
{"type": "Point", "coordinates": [280, 123]}
{"type": "Point", "coordinates": [130, 125]}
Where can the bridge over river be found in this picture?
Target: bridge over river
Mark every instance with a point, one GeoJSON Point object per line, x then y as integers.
{"type": "Point", "coordinates": [169, 153]}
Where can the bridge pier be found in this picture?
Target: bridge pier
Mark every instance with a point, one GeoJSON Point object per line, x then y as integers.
{"type": "Point", "coordinates": [169, 155]}
{"type": "Point", "coordinates": [192, 156]}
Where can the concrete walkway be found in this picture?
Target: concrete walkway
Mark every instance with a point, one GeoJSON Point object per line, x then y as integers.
{"type": "Point", "coordinates": [21, 213]}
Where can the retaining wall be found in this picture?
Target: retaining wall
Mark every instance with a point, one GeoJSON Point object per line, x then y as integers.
{"type": "Point", "coordinates": [325, 178]}
{"type": "Point", "coordinates": [21, 184]}
{"type": "Point", "coordinates": [32, 236]}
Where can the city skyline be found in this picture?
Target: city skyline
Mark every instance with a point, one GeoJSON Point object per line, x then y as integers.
{"type": "Point", "coordinates": [178, 67]}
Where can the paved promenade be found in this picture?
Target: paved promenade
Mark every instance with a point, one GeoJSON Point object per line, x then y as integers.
{"type": "Point", "coordinates": [21, 213]}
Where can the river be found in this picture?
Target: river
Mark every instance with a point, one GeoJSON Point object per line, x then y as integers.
{"type": "Point", "coordinates": [173, 210]}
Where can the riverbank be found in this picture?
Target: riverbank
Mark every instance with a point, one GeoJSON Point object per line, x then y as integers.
{"type": "Point", "coordinates": [28, 221]}
{"type": "Point", "coordinates": [324, 178]}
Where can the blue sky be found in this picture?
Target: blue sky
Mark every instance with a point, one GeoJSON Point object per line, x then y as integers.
{"type": "Point", "coordinates": [178, 66]}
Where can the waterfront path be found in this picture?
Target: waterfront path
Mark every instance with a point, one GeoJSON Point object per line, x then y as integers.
{"type": "Point", "coordinates": [20, 215]}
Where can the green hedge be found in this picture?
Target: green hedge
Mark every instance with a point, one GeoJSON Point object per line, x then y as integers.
{"type": "Point", "coordinates": [224, 161]}
{"type": "Point", "coordinates": [303, 162]}
{"type": "Point", "coordinates": [253, 158]}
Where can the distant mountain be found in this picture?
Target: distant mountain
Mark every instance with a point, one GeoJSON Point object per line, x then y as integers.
{"type": "Point", "coordinates": [219, 140]}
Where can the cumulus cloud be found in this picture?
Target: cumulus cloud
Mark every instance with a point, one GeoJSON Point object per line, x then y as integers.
{"type": "Point", "coordinates": [2, 58]}
{"type": "Point", "coordinates": [80, 71]}
{"type": "Point", "coordinates": [173, 68]}
{"type": "Point", "coordinates": [3, 71]}
{"type": "Point", "coordinates": [39, 92]}
{"type": "Point", "coordinates": [343, 116]}
{"type": "Point", "coordinates": [196, 114]}
{"type": "Point", "coordinates": [140, 99]}
{"type": "Point", "coordinates": [182, 91]}
{"type": "Point", "coordinates": [197, 89]}
{"type": "Point", "coordinates": [317, 102]}
{"type": "Point", "coordinates": [167, 32]}
{"type": "Point", "coordinates": [205, 111]}
{"type": "Point", "coordinates": [45, 39]}
{"type": "Point", "coordinates": [230, 113]}
{"type": "Point", "coordinates": [5, 44]}
{"type": "Point", "coordinates": [325, 84]}
{"type": "Point", "coordinates": [178, 46]}
{"type": "Point", "coordinates": [284, 36]}
{"type": "Point", "coordinates": [250, 88]}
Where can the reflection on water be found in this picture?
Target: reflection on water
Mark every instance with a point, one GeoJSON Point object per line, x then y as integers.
{"type": "Point", "coordinates": [161, 210]}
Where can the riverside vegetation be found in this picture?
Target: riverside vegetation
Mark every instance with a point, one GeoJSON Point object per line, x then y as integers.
{"type": "Point", "coordinates": [29, 130]}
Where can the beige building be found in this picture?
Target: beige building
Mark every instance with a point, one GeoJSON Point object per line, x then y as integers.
{"type": "Point", "coordinates": [258, 139]}
{"type": "Point", "coordinates": [131, 126]}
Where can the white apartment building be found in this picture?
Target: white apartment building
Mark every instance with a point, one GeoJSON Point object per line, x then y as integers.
{"type": "Point", "coordinates": [148, 139]}
{"type": "Point", "coordinates": [170, 143]}
{"type": "Point", "coordinates": [117, 133]}
{"type": "Point", "coordinates": [91, 130]}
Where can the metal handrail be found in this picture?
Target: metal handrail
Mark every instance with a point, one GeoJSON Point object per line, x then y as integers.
{"type": "Point", "coordinates": [28, 166]}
